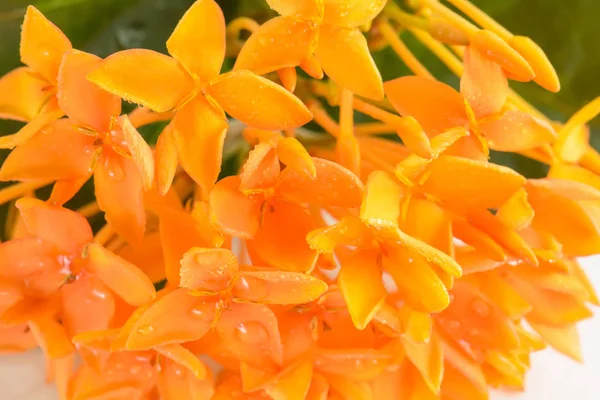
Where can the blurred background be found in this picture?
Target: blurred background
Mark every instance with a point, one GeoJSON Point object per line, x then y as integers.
{"type": "Point", "coordinates": [569, 32]}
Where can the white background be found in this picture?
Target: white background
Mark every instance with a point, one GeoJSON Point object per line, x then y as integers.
{"type": "Point", "coordinates": [552, 377]}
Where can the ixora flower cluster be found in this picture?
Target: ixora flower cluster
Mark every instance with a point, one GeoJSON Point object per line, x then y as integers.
{"type": "Point", "coordinates": [338, 263]}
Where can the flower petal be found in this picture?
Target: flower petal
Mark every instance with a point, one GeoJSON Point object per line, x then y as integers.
{"type": "Point", "coordinates": [57, 152]}
{"type": "Point", "coordinates": [351, 13]}
{"type": "Point", "coordinates": [517, 131]}
{"type": "Point", "coordinates": [258, 101]}
{"type": "Point", "coordinates": [119, 193]}
{"type": "Point", "coordinates": [293, 382]}
{"type": "Point", "coordinates": [576, 226]}
{"type": "Point", "coordinates": [99, 305]}
{"type": "Point", "coordinates": [198, 41]}
{"type": "Point", "coordinates": [280, 42]}
{"type": "Point", "coordinates": [564, 339]}
{"type": "Point", "coordinates": [360, 364]}
{"type": "Point", "coordinates": [140, 151]}
{"type": "Point", "coordinates": [334, 186]}
{"type": "Point", "coordinates": [175, 382]}
{"type": "Point", "coordinates": [42, 44]}
{"type": "Point", "coordinates": [348, 231]}
{"type": "Point", "coordinates": [166, 159]}
{"type": "Point", "coordinates": [199, 129]}
{"type": "Point", "coordinates": [381, 203]}
{"type": "Point", "coordinates": [66, 229]}
{"type": "Point", "coordinates": [483, 84]}
{"type": "Point", "coordinates": [122, 277]}
{"type": "Point", "coordinates": [209, 270]}
{"type": "Point", "coordinates": [418, 285]}
{"type": "Point", "coordinates": [436, 106]}
{"type": "Point", "coordinates": [183, 357]}
{"type": "Point", "coordinates": [22, 95]}
{"type": "Point", "coordinates": [64, 189]}
{"type": "Point", "coordinates": [361, 284]}
{"type": "Point", "coordinates": [176, 317]}
{"type": "Point", "coordinates": [516, 213]}
{"type": "Point", "coordinates": [85, 103]}
{"type": "Point", "coordinates": [51, 337]}
{"type": "Point", "coordinates": [144, 77]}
{"type": "Point", "coordinates": [479, 240]}
{"type": "Point", "coordinates": [278, 287]}
{"type": "Point", "coordinates": [235, 213]}
{"type": "Point", "coordinates": [295, 8]}
{"type": "Point", "coordinates": [428, 359]}
{"type": "Point", "coordinates": [345, 58]}
{"type": "Point", "coordinates": [471, 184]}
{"type": "Point", "coordinates": [294, 155]}
{"type": "Point", "coordinates": [283, 232]}
{"type": "Point", "coordinates": [28, 131]}
{"type": "Point", "coordinates": [261, 169]}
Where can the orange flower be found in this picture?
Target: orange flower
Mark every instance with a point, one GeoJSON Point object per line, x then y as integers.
{"type": "Point", "coordinates": [93, 138]}
{"type": "Point", "coordinates": [190, 84]}
{"type": "Point", "coordinates": [29, 93]}
{"type": "Point", "coordinates": [315, 34]}
{"type": "Point", "coordinates": [480, 108]}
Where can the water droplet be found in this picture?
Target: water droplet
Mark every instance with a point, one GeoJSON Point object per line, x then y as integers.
{"type": "Point", "coordinates": [481, 308]}
{"type": "Point", "coordinates": [146, 330]}
{"type": "Point", "coordinates": [252, 332]}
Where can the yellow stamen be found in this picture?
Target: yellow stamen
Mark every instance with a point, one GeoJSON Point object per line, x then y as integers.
{"type": "Point", "coordinates": [445, 12]}
{"type": "Point", "coordinates": [21, 189]}
{"type": "Point", "coordinates": [481, 18]}
{"type": "Point", "coordinates": [402, 51]}
{"type": "Point", "coordinates": [89, 210]}
{"type": "Point", "coordinates": [347, 148]}
{"type": "Point", "coordinates": [323, 119]}
{"type": "Point", "coordinates": [377, 113]}
{"type": "Point", "coordinates": [373, 128]}
{"type": "Point", "coordinates": [441, 51]}
{"type": "Point", "coordinates": [104, 235]}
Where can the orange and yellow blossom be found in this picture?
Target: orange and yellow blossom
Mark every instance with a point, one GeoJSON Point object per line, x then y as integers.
{"type": "Point", "coordinates": [190, 84]}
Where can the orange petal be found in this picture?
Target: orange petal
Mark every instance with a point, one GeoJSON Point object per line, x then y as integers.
{"type": "Point", "coordinates": [436, 106]}
{"type": "Point", "coordinates": [29, 130]}
{"type": "Point", "coordinates": [351, 14]}
{"type": "Point", "coordinates": [51, 337]}
{"type": "Point", "coordinates": [571, 145]}
{"type": "Point", "coordinates": [479, 240]}
{"type": "Point", "coordinates": [429, 361]}
{"type": "Point", "coordinates": [122, 277]}
{"type": "Point", "coordinates": [144, 77]}
{"type": "Point", "coordinates": [575, 226]}
{"type": "Point", "coordinates": [166, 159]}
{"type": "Point", "coordinates": [545, 75]}
{"type": "Point", "coordinates": [25, 257]}
{"type": "Point", "coordinates": [175, 318]}
{"type": "Point", "coordinates": [579, 273]}
{"type": "Point", "coordinates": [345, 58]}
{"type": "Point", "coordinates": [361, 285]}
{"type": "Point", "coordinates": [23, 95]}
{"type": "Point", "coordinates": [292, 39]}
{"type": "Point", "coordinates": [348, 231]}
{"type": "Point", "coordinates": [359, 364]}
{"type": "Point", "coordinates": [381, 203]}
{"type": "Point", "coordinates": [261, 169]}
{"type": "Point", "coordinates": [334, 186]}
{"type": "Point", "coordinates": [85, 103]}
{"type": "Point", "coordinates": [42, 44]}
{"type": "Point", "coordinates": [480, 322]}
{"type": "Point", "coordinates": [295, 8]}
{"type": "Point", "coordinates": [198, 41]}
{"type": "Point", "coordinates": [175, 382]}
{"type": "Point", "coordinates": [564, 339]}
{"type": "Point", "coordinates": [416, 325]}
{"type": "Point", "coordinates": [516, 131]}
{"type": "Point", "coordinates": [45, 156]}
{"type": "Point", "coordinates": [283, 232]}
{"type": "Point", "coordinates": [119, 192]}
{"type": "Point", "coordinates": [199, 129]}
{"type": "Point", "coordinates": [99, 305]}
{"type": "Point", "coordinates": [418, 285]}
{"type": "Point", "coordinates": [505, 297]}
{"type": "Point", "coordinates": [142, 116]}
{"type": "Point", "coordinates": [278, 287]}
{"type": "Point", "coordinates": [235, 213]}
{"type": "Point", "coordinates": [209, 270]}
{"type": "Point", "coordinates": [140, 151]}
{"type": "Point", "coordinates": [347, 388]}
{"type": "Point", "coordinates": [293, 382]}
{"type": "Point", "coordinates": [293, 154]}
{"type": "Point", "coordinates": [265, 104]}
{"type": "Point", "coordinates": [438, 232]}
{"type": "Point", "coordinates": [470, 183]}
{"type": "Point", "coordinates": [574, 173]}
{"type": "Point", "coordinates": [64, 189]}
{"type": "Point", "coordinates": [516, 213]}
{"type": "Point", "coordinates": [483, 84]}
{"type": "Point", "coordinates": [457, 386]}
{"type": "Point", "coordinates": [148, 256]}
{"type": "Point", "coordinates": [183, 357]}
{"type": "Point", "coordinates": [66, 229]}
{"type": "Point", "coordinates": [497, 50]}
